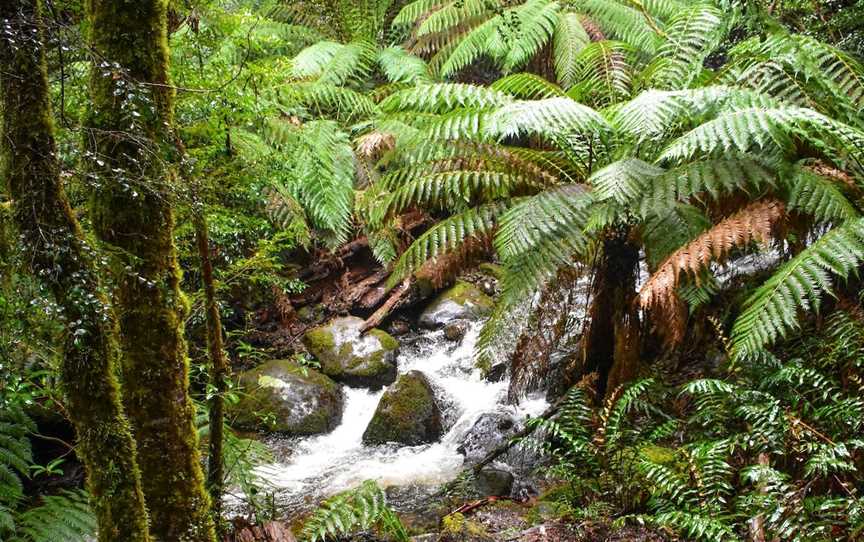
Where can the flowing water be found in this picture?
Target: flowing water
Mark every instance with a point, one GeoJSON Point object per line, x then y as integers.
{"type": "Point", "coordinates": [308, 469]}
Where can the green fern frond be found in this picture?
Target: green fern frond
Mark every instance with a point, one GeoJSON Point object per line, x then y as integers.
{"type": "Point", "coordinates": [66, 516]}
{"type": "Point", "coordinates": [691, 35]}
{"type": "Point", "coordinates": [624, 181]}
{"type": "Point", "coordinates": [447, 236]}
{"type": "Point", "coordinates": [442, 98]}
{"type": "Point", "coordinates": [604, 73]}
{"type": "Point", "coordinates": [412, 11]}
{"type": "Point", "coordinates": [311, 61]}
{"type": "Point", "coordinates": [765, 128]}
{"type": "Point", "coordinates": [818, 196]}
{"type": "Point", "coordinates": [568, 41]}
{"type": "Point", "coordinates": [453, 14]}
{"type": "Point", "coordinates": [335, 101]}
{"type": "Point", "coordinates": [351, 511]}
{"type": "Point", "coordinates": [400, 66]}
{"type": "Point", "coordinates": [527, 86]}
{"type": "Point", "coordinates": [552, 118]}
{"type": "Point", "coordinates": [624, 23]}
{"type": "Point", "coordinates": [799, 284]}
{"type": "Point", "coordinates": [698, 526]}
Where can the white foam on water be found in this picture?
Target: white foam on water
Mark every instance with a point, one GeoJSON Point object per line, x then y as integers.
{"type": "Point", "coordinates": [322, 465]}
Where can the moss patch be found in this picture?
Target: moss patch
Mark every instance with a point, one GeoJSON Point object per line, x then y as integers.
{"type": "Point", "coordinates": [407, 413]}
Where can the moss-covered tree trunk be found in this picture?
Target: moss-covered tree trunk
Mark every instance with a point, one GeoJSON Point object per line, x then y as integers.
{"type": "Point", "coordinates": [60, 257]}
{"type": "Point", "coordinates": [612, 341]}
{"type": "Point", "coordinates": [131, 147]}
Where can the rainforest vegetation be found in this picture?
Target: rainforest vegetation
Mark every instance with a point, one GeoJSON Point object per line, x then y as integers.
{"type": "Point", "coordinates": [431, 270]}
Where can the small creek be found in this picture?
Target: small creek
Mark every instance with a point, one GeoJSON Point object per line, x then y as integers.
{"type": "Point", "coordinates": [309, 469]}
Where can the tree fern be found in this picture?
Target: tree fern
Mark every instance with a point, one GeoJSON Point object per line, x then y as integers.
{"type": "Point", "coordinates": [799, 284]}
{"type": "Point", "coordinates": [818, 196]}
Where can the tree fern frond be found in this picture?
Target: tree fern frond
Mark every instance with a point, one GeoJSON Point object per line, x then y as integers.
{"type": "Point", "coordinates": [452, 14]}
{"type": "Point", "coordinates": [623, 22]}
{"type": "Point", "coordinates": [624, 180]}
{"type": "Point", "coordinates": [527, 86]}
{"type": "Point", "coordinates": [311, 61]}
{"type": "Point", "coordinates": [760, 128]}
{"type": "Point", "coordinates": [442, 98]}
{"type": "Point", "coordinates": [713, 177]}
{"type": "Point", "coordinates": [552, 118]}
{"type": "Point", "coordinates": [535, 23]}
{"type": "Point", "coordinates": [818, 196]}
{"type": "Point", "coordinates": [400, 66]}
{"type": "Point", "coordinates": [412, 11]}
{"type": "Point", "coordinates": [773, 309]}
{"type": "Point", "coordinates": [655, 113]}
{"type": "Point", "coordinates": [756, 222]}
{"type": "Point", "coordinates": [337, 101]}
{"type": "Point", "coordinates": [447, 236]}
{"type": "Point", "coordinates": [690, 36]}
{"type": "Point", "coordinates": [469, 48]}
{"type": "Point", "coordinates": [604, 73]}
{"type": "Point", "coordinates": [538, 235]}
{"type": "Point", "coordinates": [568, 41]}
{"type": "Point", "coordinates": [66, 517]}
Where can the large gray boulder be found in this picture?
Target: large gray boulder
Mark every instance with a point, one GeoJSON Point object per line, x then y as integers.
{"type": "Point", "coordinates": [463, 301]}
{"type": "Point", "coordinates": [351, 357]}
{"type": "Point", "coordinates": [284, 397]}
{"type": "Point", "coordinates": [490, 431]}
{"type": "Point", "coordinates": [407, 413]}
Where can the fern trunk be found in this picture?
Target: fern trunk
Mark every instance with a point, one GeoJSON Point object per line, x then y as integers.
{"type": "Point", "coordinates": [612, 341]}
{"type": "Point", "coordinates": [58, 254]}
{"type": "Point", "coordinates": [131, 146]}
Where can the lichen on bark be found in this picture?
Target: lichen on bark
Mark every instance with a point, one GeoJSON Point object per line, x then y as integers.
{"type": "Point", "coordinates": [60, 257]}
{"type": "Point", "coordinates": [131, 149]}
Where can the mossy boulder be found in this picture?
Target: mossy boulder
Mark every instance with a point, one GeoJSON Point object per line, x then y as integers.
{"type": "Point", "coordinates": [407, 413]}
{"type": "Point", "coordinates": [351, 357]}
{"type": "Point", "coordinates": [463, 301]}
{"type": "Point", "coordinates": [283, 397]}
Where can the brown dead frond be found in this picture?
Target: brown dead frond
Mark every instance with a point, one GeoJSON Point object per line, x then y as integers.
{"type": "Point", "coordinates": [758, 222]}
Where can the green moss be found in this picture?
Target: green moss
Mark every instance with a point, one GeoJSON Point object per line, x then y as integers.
{"type": "Point", "coordinates": [406, 413]}
{"type": "Point", "coordinates": [493, 270]}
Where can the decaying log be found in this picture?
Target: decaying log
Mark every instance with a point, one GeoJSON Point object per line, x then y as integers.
{"type": "Point", "coordinates": [272, 531]}
{"type": "Point", "coordinates": [392, 303]}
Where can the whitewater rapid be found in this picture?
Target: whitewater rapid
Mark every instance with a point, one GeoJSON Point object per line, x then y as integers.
{"type": "Point", "coordinates": [309, 469]}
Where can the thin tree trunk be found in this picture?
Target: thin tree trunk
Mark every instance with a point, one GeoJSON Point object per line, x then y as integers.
{"type": "Point", "coordinates": [131, 147]}
{"type": "Point", "coordinates": [612, 342]}
{"type": "Point", "coordinates": [218, 369]}
{"type": "Point", "coordinates": [60, 257]}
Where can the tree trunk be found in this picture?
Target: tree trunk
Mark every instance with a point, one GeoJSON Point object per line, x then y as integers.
{"type": "Point", "coordinates": [60, 257]}
{"type": "Point", "coordinates": [612, 342]}
{"type": "Point", "coordinates": [131, 145]}
{"type": "Point", "coordinates": [218, 368]}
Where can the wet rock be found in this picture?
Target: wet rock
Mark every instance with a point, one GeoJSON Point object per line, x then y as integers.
{"type": "Point", "coordinates": [454, 331]}
{"type": "Point", "coordinates": [398, 327]}
{"type": "Point", "coordinates": [347, 356]}
{"type": "Point", "coordinates": [463, 301]}
{"type": "Point", "coordinates": [407, 413]}
{"type": "Point", "coordinates": [496, 373]}
{"type": "Point", "coordinates": [490, 431]}
{"type": "Point", "coordinates": [493, 482]}
{"type": "Point", "coordinates": [284, 397]}
{"type": "Point", "coordinates": [311, 313]}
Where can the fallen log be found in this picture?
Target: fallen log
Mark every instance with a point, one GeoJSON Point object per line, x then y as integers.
{"type": "Point", "coordinates": [392, 303]}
